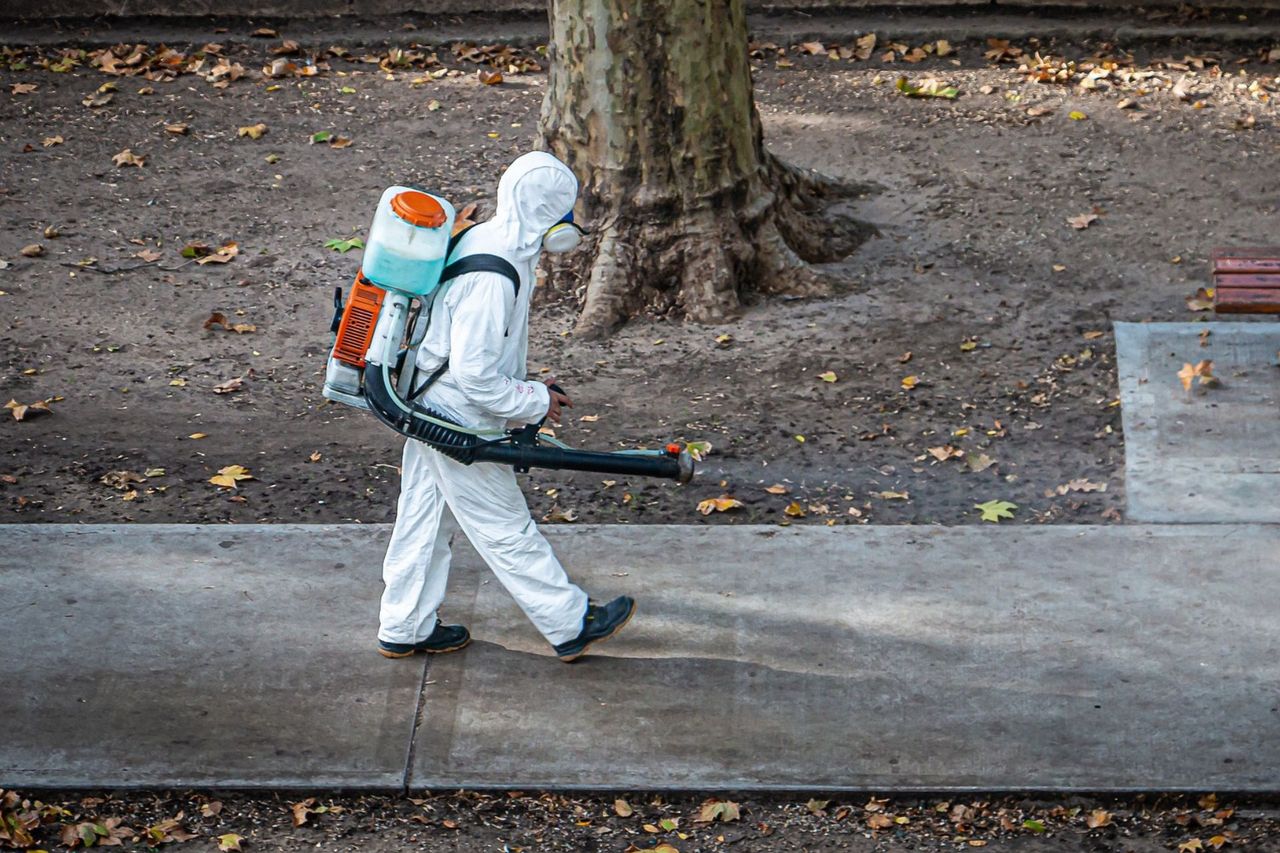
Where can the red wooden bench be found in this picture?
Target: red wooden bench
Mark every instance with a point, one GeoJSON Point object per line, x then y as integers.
{"type": "Point", "coordinates": [1246, 281]}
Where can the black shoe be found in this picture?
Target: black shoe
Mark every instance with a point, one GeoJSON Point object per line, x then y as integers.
{"type": "Point", "coordinates": [445, 638]}
{"type": "Point", "coordinates": [600, 623]}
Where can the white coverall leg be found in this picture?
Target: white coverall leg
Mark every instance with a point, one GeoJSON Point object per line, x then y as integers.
{"type": "Point", "coordinates": [491, 510]}
{"type": "Point", "coordinates": [479, 324]}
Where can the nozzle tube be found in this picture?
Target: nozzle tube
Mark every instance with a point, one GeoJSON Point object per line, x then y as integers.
{"type": "Point", "coordinates": [523, 456]}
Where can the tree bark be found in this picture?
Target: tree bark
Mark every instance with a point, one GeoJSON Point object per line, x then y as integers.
{"type": "Point", "coordinates": [650, 102]}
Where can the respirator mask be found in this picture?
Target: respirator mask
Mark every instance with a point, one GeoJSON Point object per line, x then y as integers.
{"type": "Point", "coordinates": [564, 236]}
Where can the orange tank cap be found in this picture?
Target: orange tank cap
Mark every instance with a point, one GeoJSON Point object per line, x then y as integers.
{"type": "Point", "coordinates": [418, 209]}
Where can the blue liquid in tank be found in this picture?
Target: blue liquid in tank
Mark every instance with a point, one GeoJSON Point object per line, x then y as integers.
{"type": "Point", "coordinates": [393, 271]}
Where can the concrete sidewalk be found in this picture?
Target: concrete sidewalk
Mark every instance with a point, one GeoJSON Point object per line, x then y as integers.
{"type": "Point", "coordinates": [880, 658]}
{"type": "Point", "coordinates": [1208, 454]}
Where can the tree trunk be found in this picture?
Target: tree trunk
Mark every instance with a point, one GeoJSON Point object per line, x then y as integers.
{"type": "Point", "coordinates": [650, 102]}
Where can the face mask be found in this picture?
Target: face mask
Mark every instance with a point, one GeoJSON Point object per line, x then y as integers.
{"type": "Point", "coordinates": [564, 236]}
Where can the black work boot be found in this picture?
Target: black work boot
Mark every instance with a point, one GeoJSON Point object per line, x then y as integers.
{"type": "Point", "coordinates": [600, 623]}
{"type": "Point", "coordinates": [445, 638]}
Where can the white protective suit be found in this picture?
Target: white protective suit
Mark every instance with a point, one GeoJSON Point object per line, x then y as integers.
{"type": "Point", "coordinates": [481, 325]}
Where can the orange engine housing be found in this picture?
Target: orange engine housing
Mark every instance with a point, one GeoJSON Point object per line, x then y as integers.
{"type": "Point", "coordinates": [359, 317]}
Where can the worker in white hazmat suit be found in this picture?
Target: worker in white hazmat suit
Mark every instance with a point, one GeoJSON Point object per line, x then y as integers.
{"type": "Point", "coordinates": [479, 334]}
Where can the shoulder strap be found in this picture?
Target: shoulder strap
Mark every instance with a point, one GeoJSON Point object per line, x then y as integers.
{"type": "Point", "coordinates": [462, 266]}
{"type": "Point", "coordinates": [482, 263]}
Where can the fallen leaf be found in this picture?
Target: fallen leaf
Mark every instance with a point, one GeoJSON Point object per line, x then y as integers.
{"type": "Point", "coordinates": [1093, 336]}
{"type": "Point", "coordinates": [1191, 846]}
{"type": "Point", "coordinates": [34, 250]}
{"type": "Point", "coordinates": [930, 88]}
{"type": "Point", "coordinates": [227, 478]}
{"type": "Point", "coordinates": [196, 436]}
{"type": "Point", "coordinates": [720, 504]}
{"type": "Point", "coordinates": [721, 810]}
{"type": "Point", "coordinates": [622, 808]}
{"type": "Point", "coordinates": [121, 480]}
{"type": "Point", "coordinates": [1080, 485]}
{"type": "Point", "coordinates": [829, 376]}
{"type": "Point", "coordinates": [978, 464]}
{"type": "Point", "coordinates": [489, 78]}
{"type": "Point", "coordinates": [340, 142]}
{"type": "Point", "coordinates": [148, 255]}
{"type": "Point", "coordinates": [1182, 89]}
{"type": "Point", "coordinates": [321, 136]}
{"type": "Point", "coordinates": [945, 452]}
{"type": "Point", "coordinates": [817, 807]}
{"type": "Point", "coordinates": [22, 412]}
{"type": "Point", "coordinates": [24, 88]}
{"type": "Point", "coordinates": [994, 510]}
{"type": "Point", "coordinates": [1098, 818]}
{"type": "Point", "coordinates": [433, 105]}
{"type": "Point", "coordinates": [562, 516]}
{"type": "Point", "coordinates": [778, 489]}
{"type": "Point", "coordinates": [50, 141]}
{"type": "Point", "coordinates": [1083, 221]}
{"type": "Point", "coordinates": [879, 821]}
{"type": "Point", "coordinates": [128, 158]}
{"type": "Point", "coordinates": [1038, 111]}
{"type": "Point", "coordinates": [223, 254]}
{"type": "Point", "coordinates": [892, 496]}
{"type": "Point", "coordinates": [699, 450]}
{"type": "Point", "coordinates": [253, 131]}
{"type": "Point", "coordinates": [1036, 826]}
{"type": "Point", "coordinates": [229, 386]}
{"type": "Point", "coordinates": [905, 357]}
{"type": "Point", "coordinates": [315, 456]}
{"type": "Point", "coordinates": [1246, 122]}
{"type": "Point", "coordinates": [794, 510]}
{"type": "Point", "coordinates": [302, 811]}
{"type": "Point", "coordinates": [344, 246]}
{"type": "Point", "coordinates": [159, 472]}
{"type": "Point", "coordinates": [909, 382]}
{"type": "Point", "coordinates": [1217, 842]}
{"type": "Point", "coordinates": [1076, 115]}
{"type": "Point", "coordinates": [230, 841]}
{"type": "Point", "coordinates": [265, 33]}
{"type": "Point", "coordinates": [1202, 370]}
{"type": "Point", "coordinates": [1202, 300]}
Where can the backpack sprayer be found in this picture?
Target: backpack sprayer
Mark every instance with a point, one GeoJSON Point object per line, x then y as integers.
{"type": "Point", "coordinates": [378, 331]}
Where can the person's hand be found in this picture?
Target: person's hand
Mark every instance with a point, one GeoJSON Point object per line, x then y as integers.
{"type": "Point", "coordinates": [558, 400]}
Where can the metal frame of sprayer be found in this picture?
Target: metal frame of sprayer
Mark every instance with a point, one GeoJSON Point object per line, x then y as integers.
{"type": "Point", "coordinates": [363, 371]}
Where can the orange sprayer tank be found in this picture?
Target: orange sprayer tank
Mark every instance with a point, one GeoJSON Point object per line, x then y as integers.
{"type": "Point", "coordinates": [355, 332]}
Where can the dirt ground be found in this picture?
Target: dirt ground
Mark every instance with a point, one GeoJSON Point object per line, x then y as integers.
{"type": "Point", "coordinates": [976, 285]}
{"type": "Point", "coordinates": [977, 288]}
{"type": "Point", "coordinates": [520, 822]}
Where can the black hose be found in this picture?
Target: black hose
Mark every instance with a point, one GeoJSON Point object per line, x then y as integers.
{"type": "Point", "coordinates": [467, 448]}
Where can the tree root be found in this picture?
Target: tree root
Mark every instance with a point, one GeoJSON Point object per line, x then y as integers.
{"type": "Point", "coordinates": [707, 263]}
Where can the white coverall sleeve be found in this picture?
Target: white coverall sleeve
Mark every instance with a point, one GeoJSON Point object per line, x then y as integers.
{"type": "Point", "coordinates": [480, 317]}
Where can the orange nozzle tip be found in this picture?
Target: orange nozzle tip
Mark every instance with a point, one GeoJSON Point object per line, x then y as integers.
{"type": "Point", "coordinates": [673, 449]}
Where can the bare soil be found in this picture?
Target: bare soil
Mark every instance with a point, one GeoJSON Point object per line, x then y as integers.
{"type": "Point", "coordinates": [523, 822]}
{"type": "Point", "coordinates": [976, 286]}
